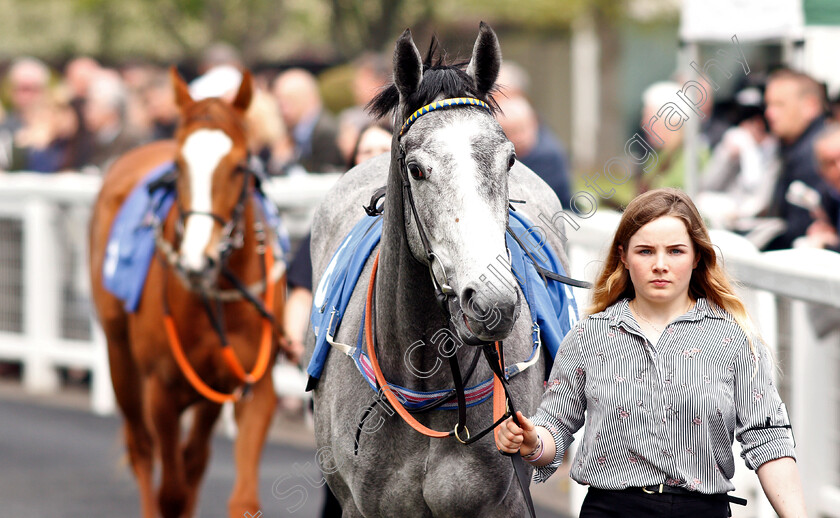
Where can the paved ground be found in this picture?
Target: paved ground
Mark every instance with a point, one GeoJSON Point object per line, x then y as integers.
{"type": "Point", "coordinates": [57, 460]}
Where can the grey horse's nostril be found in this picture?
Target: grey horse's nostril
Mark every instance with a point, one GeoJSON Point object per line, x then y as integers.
{"type": "Point", "coordinates": [467, 296]}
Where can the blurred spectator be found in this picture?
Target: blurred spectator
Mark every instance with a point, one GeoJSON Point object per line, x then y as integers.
{"type": "Point", "coordinates": [46, 143]}
{"type": "Point", "coordinates": [28, 80]}
{"type": "Point", "coordinates": [715, 119]}
{"type": "Point", "coordinates": [667, 141]}
{"type": "Point", "coordinates": [313, 130]}
{"type": "Point", "coordinates": [737, 184]}
{"type": "Point", "coordinates": [161, 110]}
{"type": "Point", "coordinates": [105, 117]}
{"type": "Point", "coordinates": [513, 80]}
{"type": "Point", "coordinates": [535, 145]}
{"type": "Point", "coordinates": [795, 112]}
{"type": "Point", "coordinates": [41, 134]}
{"type": "Point", "coordinates": [350, 122]}
{"type": "Point", "coordinates": [372, 72]}
{"type": "Point", "coordinates": [219, 54]}
{"type": "Point", "coordinates": [269, 139]}
{"type": "Point", "coordinates": [77, 75]}
{"type": "Point", "coordinates": [834, 108]}
{"type": "Point", "coordinates": [136, 76]}
{"type": "Point", "coordinates": [823, 232]}
{"type": "Point", "coordinates": [373, 140]}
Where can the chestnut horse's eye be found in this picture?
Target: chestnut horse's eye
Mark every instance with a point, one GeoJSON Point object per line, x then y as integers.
{"type": "Point", "coordinates": [416, 172]}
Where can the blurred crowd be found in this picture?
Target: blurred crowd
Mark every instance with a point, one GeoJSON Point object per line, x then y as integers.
{"type": "Point", "coordinates": [82, 117]}
{"type": "Point", "coordinates": [768, 160]}
{"type": "Point", "coordinates": [768, 156]}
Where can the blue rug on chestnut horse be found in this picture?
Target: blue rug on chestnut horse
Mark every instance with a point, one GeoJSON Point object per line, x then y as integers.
{"type": "Point", "coordinates": [552, 304]}
{"type": "Point", "coordinates": [131, 243]}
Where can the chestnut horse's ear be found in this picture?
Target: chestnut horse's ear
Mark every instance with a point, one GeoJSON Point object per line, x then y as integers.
{"type": "Point", "coordinates": [245, 93]}
{"type": "Point", "coordinates": [182, 91]}
{"type": "Point", "coordinates": [486, 59]}
{"type": "Point", "coordinates": [408, 67]}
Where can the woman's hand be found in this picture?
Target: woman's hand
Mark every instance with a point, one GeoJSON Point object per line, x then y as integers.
{"type": "Point", "coordinates": [513, 438]}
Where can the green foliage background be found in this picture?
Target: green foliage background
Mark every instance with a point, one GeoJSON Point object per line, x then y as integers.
{"type": "Point", "coordinates": [263, 30]}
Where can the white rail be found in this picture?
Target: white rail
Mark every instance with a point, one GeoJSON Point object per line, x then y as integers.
{"type": "Point", "coordinates": [52, 212]}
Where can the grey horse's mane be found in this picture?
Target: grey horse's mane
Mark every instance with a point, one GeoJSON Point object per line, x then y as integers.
{"type": "Point", "coordinates": [439, 79]}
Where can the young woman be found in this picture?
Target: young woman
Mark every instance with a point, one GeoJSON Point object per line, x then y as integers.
{"type": "Point", "coordinates": [664, 371]}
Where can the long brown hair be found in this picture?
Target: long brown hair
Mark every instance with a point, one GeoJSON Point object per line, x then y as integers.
{"type": "Point", "coordinates": [708, 279]}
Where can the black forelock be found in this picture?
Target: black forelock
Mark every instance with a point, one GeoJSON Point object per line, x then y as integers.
{"type": "Point", "coordinates": [439, 78]}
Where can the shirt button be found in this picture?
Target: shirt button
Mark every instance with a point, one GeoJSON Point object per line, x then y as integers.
{"type": "Point", "coordinates": [666, 453]}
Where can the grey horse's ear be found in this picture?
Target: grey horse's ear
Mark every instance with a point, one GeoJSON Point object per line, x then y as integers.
{"type": "Point", "coordinates": [486, 59]}
{"type": "Point", "coordinates": [408, 67]}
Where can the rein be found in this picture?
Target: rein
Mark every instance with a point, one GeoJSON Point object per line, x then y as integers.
{"type": "Point", "coordinates": [499, 405]}
{"type": "Point", "coordinates": [265, 308]}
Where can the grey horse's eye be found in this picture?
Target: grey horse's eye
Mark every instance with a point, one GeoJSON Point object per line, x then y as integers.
{"type": "Point", "coordinates": [416, 172]}
{"type": "Point", "coordinates": [511, 160]}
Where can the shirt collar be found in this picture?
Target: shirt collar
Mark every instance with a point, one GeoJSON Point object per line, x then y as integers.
{"type": "Point", "coordinates": [619, 313]}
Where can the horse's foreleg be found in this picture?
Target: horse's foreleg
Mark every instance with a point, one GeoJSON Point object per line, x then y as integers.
{"type": "Point", "coordinates": [196, 451]}
{"type": "Point", "coordinates": [126, 381]}
{"type": "Point", "coordinates": [252, 418]}
{"type": "Point", "coordinates": [165, 416]}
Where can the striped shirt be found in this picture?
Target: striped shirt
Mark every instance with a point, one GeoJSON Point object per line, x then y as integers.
{"type": "Point", "coordinates": [663, 413]}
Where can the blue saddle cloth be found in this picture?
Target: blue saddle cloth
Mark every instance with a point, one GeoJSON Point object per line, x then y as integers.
{"type": "Point", "coordinates": [552, 303]}
{"type": "Point", "coordinates": [131, 242]}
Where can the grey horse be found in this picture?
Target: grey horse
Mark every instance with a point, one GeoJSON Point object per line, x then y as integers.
{"type": "Point", "coordinates": [462, 174]}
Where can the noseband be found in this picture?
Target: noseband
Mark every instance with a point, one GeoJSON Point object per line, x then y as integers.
{"type": "Point", "coordinates": [232, 232]}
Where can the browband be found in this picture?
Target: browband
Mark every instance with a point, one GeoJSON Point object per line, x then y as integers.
{"type": "Point", "coordinates": [444, 103]}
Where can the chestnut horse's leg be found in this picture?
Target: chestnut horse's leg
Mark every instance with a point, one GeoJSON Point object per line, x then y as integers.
{"type": "Point", "coordinates": [127, 383]}
{"type": "Point", "coordinates": [165, 415]}
{"type": "Point", "coordinates": [196, 450]}
{"type": "Point", "coordinates": [253, 417]}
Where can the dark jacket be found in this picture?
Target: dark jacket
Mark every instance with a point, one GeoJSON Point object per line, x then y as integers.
{"type": "Point", "coordinates": [321, 154]}
{"type": "Point", "coordinates": [548, 160]}
{"type": "Point", "coordinates": [831, 206]}
{"type": "Point", "coordinates": [798, 163]}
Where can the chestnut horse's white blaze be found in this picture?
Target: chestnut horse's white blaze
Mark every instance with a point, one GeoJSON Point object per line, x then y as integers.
{"type": "Point", "coordinates": [202, 152]}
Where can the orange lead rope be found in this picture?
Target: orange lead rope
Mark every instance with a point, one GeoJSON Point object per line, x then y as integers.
{"type": "Point", "coordinates": [499, 403]}
{"type": "Point", "coordinates": [498, 391]}
{"type": "Point", "coordinates": [263, 356]}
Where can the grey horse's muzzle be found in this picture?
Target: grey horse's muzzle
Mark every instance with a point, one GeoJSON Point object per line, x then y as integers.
{"type": "Point", "coordinates": [480, 318]}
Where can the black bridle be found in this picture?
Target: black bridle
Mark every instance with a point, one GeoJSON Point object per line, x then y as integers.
{"type": "Point", "coordinates": [232, 231]}
{"type": "Point", "coordinates": [233, 238]}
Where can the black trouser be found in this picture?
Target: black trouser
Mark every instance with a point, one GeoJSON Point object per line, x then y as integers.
{"type": "Point", "coordinates": [600, 503]}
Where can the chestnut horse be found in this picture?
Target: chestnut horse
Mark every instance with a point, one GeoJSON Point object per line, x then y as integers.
{"type": "Point", "coordinates": [211, 242]}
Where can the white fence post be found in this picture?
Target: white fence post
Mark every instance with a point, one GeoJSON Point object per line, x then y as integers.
{"type": "Point", "coordinates": [41, 295]}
